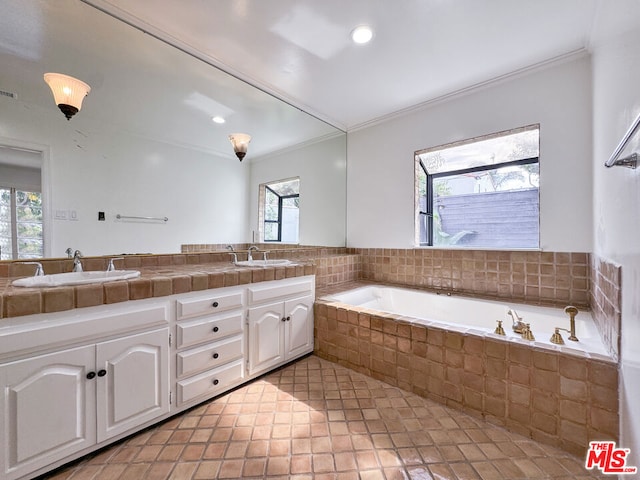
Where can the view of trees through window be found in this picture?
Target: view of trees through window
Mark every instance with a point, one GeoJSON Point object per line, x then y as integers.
{"type": "Point", "coordinates": [281, 211]}
{"type": "Point", "coordinates": [482, 192]}
{"type": "Point", "coordinates": [20, 224]}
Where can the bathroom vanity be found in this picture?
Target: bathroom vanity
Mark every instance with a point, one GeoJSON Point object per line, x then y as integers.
{"type": "Point", "coordinates": [77, 380]}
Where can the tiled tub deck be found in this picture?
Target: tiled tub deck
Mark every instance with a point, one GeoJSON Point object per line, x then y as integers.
{"type": "Point", "coordinates": [559, 399]}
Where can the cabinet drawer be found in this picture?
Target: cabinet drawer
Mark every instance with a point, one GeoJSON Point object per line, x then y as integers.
{"type": "Point", "coordinates": [209, 356]}
{"type": "Point", "coordinates": [263, 293]}
{"type": "Point", "coordinates": [210, 383]}
{"type": "Point", "coordinates": [208, 329]}
{"type": "Point", "coordinates": [209, 304]}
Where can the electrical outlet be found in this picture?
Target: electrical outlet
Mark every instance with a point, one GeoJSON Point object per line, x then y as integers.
{"type": "Point", "coordinates": [101, 216]}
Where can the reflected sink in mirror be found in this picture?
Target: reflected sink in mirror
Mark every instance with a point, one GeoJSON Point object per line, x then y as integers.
{"type": "Point", "coordinates": [75, 278]}
{"type": "Point", "coordinates": [263, 263]}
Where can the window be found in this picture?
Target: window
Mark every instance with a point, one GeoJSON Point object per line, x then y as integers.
{"type": "Point", "coordinates": [482, 192]}
{"type": "Point", "coordinates": [20, 224]}
{"type": "Point", "coordinates": [279, 211]}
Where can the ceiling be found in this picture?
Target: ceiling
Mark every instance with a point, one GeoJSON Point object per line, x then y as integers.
{"type": "Point", "coordinates": [422, 50]}
{"type": "Point", "coordinates": [298, 51]}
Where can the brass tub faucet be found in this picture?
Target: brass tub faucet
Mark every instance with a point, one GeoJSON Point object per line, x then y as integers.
{"type": "Point", "coordinates": [572, 312]}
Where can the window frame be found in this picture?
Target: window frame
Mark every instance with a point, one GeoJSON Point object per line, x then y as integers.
{"type": "Point", "coordinates": [424, 212]}
{"type": "Point", "coordinates": [481, 168]}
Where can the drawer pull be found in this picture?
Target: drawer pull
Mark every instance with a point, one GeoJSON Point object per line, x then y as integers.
{"type": "Point", "coordinates": [215, 304]}
{"type": "Point", "coordinates": [216, 381]}
{"type": "Point", "coordinates": [91, 375]}
{"type": "Point", "coordinates": [215, 329]}
{"type": "Point", "coordinates": [215, 355]}
{"type": "Point", "coordinates": [102, 373]}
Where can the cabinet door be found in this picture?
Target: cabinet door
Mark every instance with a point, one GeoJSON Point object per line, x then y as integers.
{"type": "Point", "coordinates": [298, 327]}
{"type": "Point", "coordinates": [47, 407]}
{"type": "Point", "coordinates": [266, 339]}
{"type": "Point", "coordinates": [133, 381]}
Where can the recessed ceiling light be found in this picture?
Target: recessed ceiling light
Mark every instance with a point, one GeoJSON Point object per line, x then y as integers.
{"type": "Point", "coordinates": [362, 34]}
{"type": "Point", "coordinates": [218, 120]}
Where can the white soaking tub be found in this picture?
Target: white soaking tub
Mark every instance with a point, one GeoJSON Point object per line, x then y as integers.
{"type": "Point", "coordinates": [478, 316]}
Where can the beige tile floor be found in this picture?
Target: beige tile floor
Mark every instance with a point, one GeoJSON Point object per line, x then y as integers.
{"type": "Point", "coordinates": [317, 420]}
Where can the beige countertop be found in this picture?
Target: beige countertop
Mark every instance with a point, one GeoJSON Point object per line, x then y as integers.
{"type": "Point", "coordinates": [154, 281]}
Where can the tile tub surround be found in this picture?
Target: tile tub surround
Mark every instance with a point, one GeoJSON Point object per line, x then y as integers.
{"type": "Point", "coordinates": [161, 275]}
{"type": "Point", "coordinates": [555, 278]}
{"type": "Point", "coordinates": [559, 400]}
{"type": "Point", "coordinates": [606, 301]}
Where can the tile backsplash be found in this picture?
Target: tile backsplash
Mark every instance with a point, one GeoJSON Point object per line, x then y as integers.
{"type": "Point", "coordinates": [558, 278]}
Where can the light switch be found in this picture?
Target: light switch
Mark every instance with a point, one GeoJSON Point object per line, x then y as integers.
{"type": "Point", "coordinates": [73, 215]}
{"type": "Point", "coordinates": [61, 215]}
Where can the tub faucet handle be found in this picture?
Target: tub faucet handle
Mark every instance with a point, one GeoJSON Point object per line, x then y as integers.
{"type": "Point", "coordinates": [527, 334]}
{"type": "Point", "coordinates": [499, 330]}
{"type": "Point", "coordinates": [556, 337]}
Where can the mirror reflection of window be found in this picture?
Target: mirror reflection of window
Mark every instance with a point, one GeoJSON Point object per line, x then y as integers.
{"type": "Point", "coordinates": [280, 211]}
{"type": "Point", "coordinates": [21, 226]}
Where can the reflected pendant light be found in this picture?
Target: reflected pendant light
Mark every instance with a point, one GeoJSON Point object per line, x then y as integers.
{"type": "Point", "coordinates": [240, 142]}
{"type": "Point", "coordinates": [68, 92]}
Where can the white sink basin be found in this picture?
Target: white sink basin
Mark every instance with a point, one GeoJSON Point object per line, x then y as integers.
{"type": "Point", "coordinates": [75, 278]}
{"type": "Point", "coordinates": [263, 263]}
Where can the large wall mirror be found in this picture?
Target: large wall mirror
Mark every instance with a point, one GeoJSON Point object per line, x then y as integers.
{"type": "Point", "coordinates": [144, 143]}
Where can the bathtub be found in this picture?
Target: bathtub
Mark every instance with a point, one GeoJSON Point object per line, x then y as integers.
{"type": "Point", "coordinates": [478, 316]}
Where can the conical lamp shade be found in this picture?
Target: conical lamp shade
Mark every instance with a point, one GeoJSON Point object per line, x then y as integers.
{"type": "Point", "coordinates": [68, 92]}
{"type": "Point", "coordinates": [240, 142]}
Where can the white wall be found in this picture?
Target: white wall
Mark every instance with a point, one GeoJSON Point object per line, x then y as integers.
{"type": "Point", "coordinates": [380, 171]}
{"type": "Point", "coordinates": [321, 168]}
{"type": "Point", "coordinates": [94, 167]}
{"type": "Point", "coordinates": [616, 103]}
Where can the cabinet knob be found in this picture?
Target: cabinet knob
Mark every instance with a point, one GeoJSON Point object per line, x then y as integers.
{"type": "Point", "coordinates": [215, 304]}
{"type": "Point", "coordinates": [102, 373]}
{"type": "Point", "coordinates": [288, 319]}
{"type": "Point", "coordinates": [216, 381]}
{"type": "Point", "coordinates": [215, 355]}
{"type": "Point", "coordinates": [284, 319]}
{"type": "Point", "coordinates": [215, 329]}
{"type": "Point", "coordinates": [91, 375]}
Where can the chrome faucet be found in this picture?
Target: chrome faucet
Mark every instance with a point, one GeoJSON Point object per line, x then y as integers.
{"type": "Point", "coordinates": [249, 257]}
{"type": "Point", "coordinates": [69, 252]}
{"type": "Point", "coordinates": [39, 270]}
{"type": "Point", "coordinates": [77, 264]}
{"type": "Point", "coordinates": [517, 324]}
{"type": "Point", "coordinates": [111, 267]}
{"type": "Point", "coordinates": [232, 252]}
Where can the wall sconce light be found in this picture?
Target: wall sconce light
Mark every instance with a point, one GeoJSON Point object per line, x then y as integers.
{"type": "Point", "coordinates": [240, 142]}
{"type": "Point", "coordinates": [68, 92]}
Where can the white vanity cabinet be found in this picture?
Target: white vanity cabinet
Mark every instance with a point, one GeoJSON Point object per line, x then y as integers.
{"type": "Point", "coordinates": [210, 344]}
{"type": "Point", "coordinates": [74, 381]}
{"type": "Point", "coordinates": [279, 330]}
{"type": "Point", "coordinates": [48, 408]}
{"type": "Point", "coordinates": [58, 403]}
